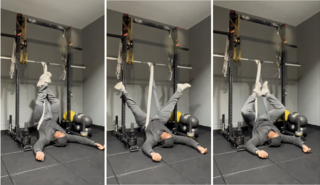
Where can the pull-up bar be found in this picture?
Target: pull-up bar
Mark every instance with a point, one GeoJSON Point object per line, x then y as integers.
{"type": "Point", "coordinates": [157, 64]}
{"type": "Point", "coordinates": [263, 22]}
{"type": "Point", "coordinates": [263, 61]}
{"type": "Point", "coordinates": [145, 23]}
{"type": "Point", "coordinates": [49, 25]}
{"type": "Point", "coordinates": [53, 64]}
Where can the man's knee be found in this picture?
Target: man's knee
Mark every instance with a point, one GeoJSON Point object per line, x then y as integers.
{"type": "Point", "coordinates": [282, 110]}
{"type": "Point", "coordinates": [245, 112]}
{"type": "Point", "coordinates": [55, 102]}
{"type": "Point", "coordinates": [39, 103]}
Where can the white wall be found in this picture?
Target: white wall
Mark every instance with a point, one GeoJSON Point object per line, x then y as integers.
{"type": "Point", "coordinates": [309, 73]}
{"type": "Point", "coordinates": [94, 80]}
{"type": "Point", "coordinates": [30, 73]}
{"type": "Point", "coordinates": [200, 76]}
{"type": "Point", "coordinates": [255, 44]}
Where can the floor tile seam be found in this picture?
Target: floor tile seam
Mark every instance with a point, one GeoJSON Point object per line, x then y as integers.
{"type": "Point", "coordinates": [4, 176]}
{"type": "Point", "coordinates": [78, 159]}
{"type": "Point", "coordinates": [217, 176]}
{"type": "Point", "coordinates": [124, 174]}
{"type": "Point", "coordinates": [34, 169]}
{"type": "Point", "coordinates": [127, 152]}
{"type": "Point", "coordinates": [11, 153]}
{"type": "Point", "coordinates": [183, 160]}
{"type": "Point", "coordinates": [234, 173]}
{"type": "Point", "coordinates": [7, 170]}
{"type": "Point", "coordinates": [308, 155]}
{"type": "Point", "coordinates": [224, 180]}
{"type": "Point", "coordinates": [225, 153]}
{"type": "Point", "coordinates": [288, 173]}
{"type": "Point", "coordinates": [74, 173]}
{"type": "Point", "coordinates": [181, 174]}
{"type": "Point", "coordinates": [276, 163]}
{"type": "Point", "coordinates": [114, 174]}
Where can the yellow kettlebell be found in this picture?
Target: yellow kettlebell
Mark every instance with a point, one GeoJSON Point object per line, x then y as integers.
{"type": "Point", "coordinates": [71, 115]}
{"type": "Point", "coordinates": [178, 117]}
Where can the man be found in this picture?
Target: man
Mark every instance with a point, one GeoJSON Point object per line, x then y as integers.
{"type": "Point", "coordinates": [264, 131]}
{"type": "Point", "coordinates": [156, 132]}
{"type": "Point", "coordinates": [46, 114]}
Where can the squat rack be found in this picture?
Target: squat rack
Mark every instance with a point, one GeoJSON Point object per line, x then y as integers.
{"type": "Point", "coordinates": [21, 43]}
{"type": "Point", "coordinates": [229, 133]}
{"type": "Point", "coordinates": [127, 45]}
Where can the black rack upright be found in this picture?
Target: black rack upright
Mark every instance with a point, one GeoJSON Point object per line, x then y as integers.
{"type": "Point", "coordinates": [229, 133]}
{"type": "Point", "coordinates": [16, 133]}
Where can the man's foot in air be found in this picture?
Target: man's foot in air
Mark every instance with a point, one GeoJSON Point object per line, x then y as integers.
{"type": "Point", "coordinates": [257, 89]}
{"type": "Point", "coordinates": [182, 87]}
{"type": "Point", "coordinates": [265, 89]}
{"type": "Point", "coordinates": [45, 77]}
{"type": "Point", "coordinates": [120, 87]}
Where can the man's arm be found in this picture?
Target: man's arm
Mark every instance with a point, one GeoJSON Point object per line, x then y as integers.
{"type": "Point", "coordinates": [42, 94]}
{"type": "Point", "coordinates": [252, 144]}
{"type": "Point", "coordinates": [292, 139]}
{"type": "Point", "coordinates": [185, 140]}
{"type": "Point", "coordinates": [148, 145]}
{"type": "Point", "coordinates": [40, 144]}
{"type": "Point", "coordinates": [80, 139]}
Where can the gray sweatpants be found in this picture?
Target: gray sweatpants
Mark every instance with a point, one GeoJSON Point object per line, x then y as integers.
{"type": "Point", "coordinates": [141, 116]}
{"type": "Point", "coordinates": [249, 114]}
{"type": "Point", "coordinates": [53, 109]}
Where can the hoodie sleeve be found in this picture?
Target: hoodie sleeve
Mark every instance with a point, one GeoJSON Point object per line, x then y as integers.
{"type": "Point", "coordinates": [252, 144]}
{"type": "Point", "coordinates": [148, 145]}
{"type": "Point", "coordinates": [40, 144]}
{"type": "Point", "coordinates": [80, 139]}
{"type": "Point", "coordinates": [292, 139]}
{"type": "Point", "coordinates": [185, 140]}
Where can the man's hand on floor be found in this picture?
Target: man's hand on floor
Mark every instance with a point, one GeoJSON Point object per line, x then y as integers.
{"type": "Point", "coordinates": [262, 154]}
{"type": "Point", "coordinates": [202, 150]}
{"type": "Point", "coordinates": [99, 146]}
{"type": "Point", "coordinates": [40, 156]}
{"type": "Point", "coordinates": [156, 156]}
{"type": "Point", "coordinates": [306, 149]}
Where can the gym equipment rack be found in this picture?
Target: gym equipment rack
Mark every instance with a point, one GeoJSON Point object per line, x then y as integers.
{"type": "Point", "coordinates": [23, 138]}
{"type": "Point", "coordinates": [229, 132]}
{"type": "Point", "coordinates": [173, 31]}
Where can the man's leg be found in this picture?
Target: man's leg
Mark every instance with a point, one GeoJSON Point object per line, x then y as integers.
{"type": "Point", "coordinates": [247, 111]}
{"type": "Point", "coordinates": [55, 105]}
{"type": "Point", "coordinates": [278, 108]}
{"type": "Point", "coordinates": [139, 115]}
{"type": "Point", "coordinates": [168, 109]}
{"type": "Point", "coordinates": [38, 110]}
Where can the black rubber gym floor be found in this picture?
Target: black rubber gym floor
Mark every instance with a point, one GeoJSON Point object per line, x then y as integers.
{"type": "Point", "coordinates": [286, 164]}
{"type": "Point", "coordinates": [180, 164]}
{"type": "Point", "coordinates": [73, 164]}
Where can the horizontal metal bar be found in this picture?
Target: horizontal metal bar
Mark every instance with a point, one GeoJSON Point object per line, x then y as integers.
{"type": "Point", "coordinates": [221, 32]}
{"type": "Point", "coordinates": [157, 64]}
{"type": "Point", "coordinates": [48, 25]}
{"type": "Point", "coordinates": [114, 35]}
{"type": "Point", "coordinates": [8, 35]}
{"type": "Point", "coordinates": [146, 42]}
{"type": "Point", "coordinates": [263, 61]}
{"type": "Point", "coordinates": [52, 64]}
{"type": "Point", "coordinates": [158, 26]}
{"type": "Point", "coordinates": [258, 21]}
{"type": "Point", "coordinates": [253, 39]}
{"type": "Point", "coordinates": [40, 42]}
